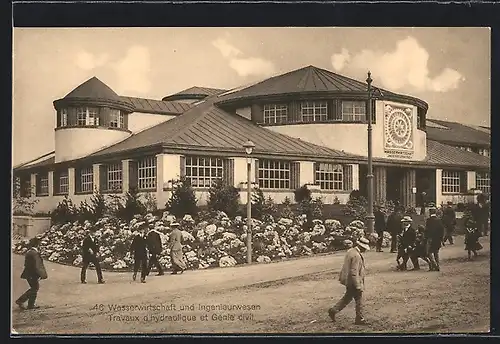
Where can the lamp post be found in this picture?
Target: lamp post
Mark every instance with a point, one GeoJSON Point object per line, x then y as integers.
{"type": "Point", "coordinates": [370, 218]}
{"type": "Point", "coordinates": [249, 146]}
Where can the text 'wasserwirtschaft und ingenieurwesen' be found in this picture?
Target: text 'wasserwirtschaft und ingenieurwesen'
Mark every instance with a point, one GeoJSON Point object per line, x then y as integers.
{"type": "Point", "coordinates": [171, 312]}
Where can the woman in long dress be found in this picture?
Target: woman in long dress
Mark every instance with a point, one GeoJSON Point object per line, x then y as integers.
{"type": "Point", "coordinates": [175, 246]}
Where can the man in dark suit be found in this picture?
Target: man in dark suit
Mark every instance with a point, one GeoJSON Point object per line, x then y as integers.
{"type": "Point", "coordinates": [154, 245]}
{"type": "Point", "coordinates": [408, 238]}
{"type": "Point", "coordinates": [434, 233]}
{"type": "Point", "coordinates": [449, 222]}
{"type": "Point", "coordinates": [140, 252]}
{"type": "Point", "coordinates": [394, 227]}
{"type": "Point", "coordinates": [89, 255]}
{"type": "Point", "coordinates": [379, 226]}
{"type": "Point", "coordinates": [34, 271]}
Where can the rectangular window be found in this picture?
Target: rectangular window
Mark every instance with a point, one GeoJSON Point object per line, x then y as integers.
{"type": "Point", "coordinates": [62, 182]}
{"type": "Point", "coordinates": [42, 184]}
{"type": "Point", "coordinates": [353, 111]}
{"type": "Point", "coordinates": [114, 177]}
{"type": "Point", "coordinates": [275, 114]}
{"type": "Point", "coordinates": [116, 119]}
{"type": "Point", "coordinates": [484, 152]}
{"type": "Point", "coordinates": [274, 174]}
{"type": "Point", "coordinates": [329, 176]}
{"type": "Point", "coordinates": [483, 181]}
{"type": "Point", "coordinates": [450, 182]}
{"type": "Point", "coordinates": [64, 118]}
{"type": "Point", "coordinates": [314, 111]}
{"type": "Point", "coordinates": [25, 186]}
{"type": "Point", "coordinates": [203, 171]}
{"type": "Point", "coordinates": [81, 116]}
{"type": "Point", "coordinates": [147, 173]}
{"type": "Point", "coordinates": [92, 116]}
{"type": "Point", "coordinates": [86, 179]}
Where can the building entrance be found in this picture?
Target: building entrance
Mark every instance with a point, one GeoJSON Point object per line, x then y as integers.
{"type": "Point", "coordinates": [395, 177]}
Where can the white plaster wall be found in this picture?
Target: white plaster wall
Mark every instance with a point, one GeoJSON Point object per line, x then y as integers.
{"type": "Point", "coordinates": [355, 176]}
{"type": "Point", "coordinates": [245, 112]}
{"type": "Point", "coordinates": [471, 180]}
{"type": "Point", "coordinates": [352, 137]}
{"type": "Point", "coordinates": [73, 143]}
{"type": "Point", "coordinates": [138, 121]}
{"type": "Point", "coordinates": [439, 193]}
{"type": "Point", "coordinates": [240, 171]}
{"type": "Point", "coordinates": [306, 172]}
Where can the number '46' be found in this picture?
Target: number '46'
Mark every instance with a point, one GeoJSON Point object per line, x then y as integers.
{"type": "Point", "coordinates": [98, 307]}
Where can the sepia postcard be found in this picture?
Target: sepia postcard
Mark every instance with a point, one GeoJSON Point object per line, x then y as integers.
{"type": "Point", "coordinates": [251, 180]}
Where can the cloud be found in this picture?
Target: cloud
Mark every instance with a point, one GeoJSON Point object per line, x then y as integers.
{"type": "Point", "coordinates": [406, 65]}
{"type": "Point", "coordinates": [88, 61]}
{"type": "Point", "coordinates": [341, 59]}
{"type": "Point", "coordinates": [244, 66]}
{"type": "Point", "coordinates": [133, 71]}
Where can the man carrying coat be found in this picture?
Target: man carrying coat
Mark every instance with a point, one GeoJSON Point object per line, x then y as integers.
{"type": "Point", "coordinates": [352, 276]}
{"type": "Point", "coordinates": [34, 271]}
{"type": "Point", "coordinates": [153, 240]}
{"type": "Point", "coordinates": [89, 255]}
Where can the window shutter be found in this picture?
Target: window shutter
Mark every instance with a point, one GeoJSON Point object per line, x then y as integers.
{"type": "Point", "coordinates": [293, 112]}
{"type": "Point", "coordinates": [228, 172]}
{"type": "Point", "coordinates": [294, 175]}
{"type": "Point", "coordinates": [58, 119]}
{"type": "Point", "coordinates": [133, 180]}
{"type": "Point", "coordinates": [72, 116]}
{"type": "Point", "coordinates": [257, 114]}
{"type": "Point", "coordinates": [463, 182]}
{"type": "Point", "coordinates": [347, 171]}
{"type": "Point", "coordinates": [104, 117]}
{"type": "Point", "coordinates": [338, 110]}
{"type": "Point", "coordinates": [182, 172]}
{"type": "Point", "coordinates": [125, 120]}
{"type": "Point", "coordinates": [332, 109]}
{"type": "Point", "coordinates": [103, 177]}
{"type": "Point", "coordinates": [257, 162]}
{"type": "Point", "coordinates": [315, 168]}
{"type": "Point", "coordinates": [78, 180]}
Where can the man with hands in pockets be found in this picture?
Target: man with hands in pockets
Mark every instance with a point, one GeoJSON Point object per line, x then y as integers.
{"type": "Point", "coordinates": [352, 276]}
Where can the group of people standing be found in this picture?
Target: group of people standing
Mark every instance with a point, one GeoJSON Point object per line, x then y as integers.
{"type": "Point", "coordinates": [146, 246]}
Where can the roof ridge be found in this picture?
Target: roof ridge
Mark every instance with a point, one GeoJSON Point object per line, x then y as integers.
{"type": "Point", "coordinates": [32, 160]}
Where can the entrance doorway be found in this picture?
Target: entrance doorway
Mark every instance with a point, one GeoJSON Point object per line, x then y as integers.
{"type": "Point", "coordinates": [395, 177]}
{"type": "Point", "coordinates": [426, 182]}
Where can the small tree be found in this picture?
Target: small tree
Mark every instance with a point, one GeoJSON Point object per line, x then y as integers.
{"type": "Point", "coordinates": [66, 211]}
{"type": "Point", "coordinates": [258, 200]}
{"type": "Point", "coordinates": [133, 206]}
{"type": "Point", "coordinates": [183, 200]}
{"type": "Point", "coordinates": [286, 210]}
{"type": "Point", "coordinates": [223, 197]}
{"type": "Point", "coordinates": [23, 201]}
{"type": "Point", "coordinates": [302, 194]}
{"type": "Point", "coordinates": [150, 203]}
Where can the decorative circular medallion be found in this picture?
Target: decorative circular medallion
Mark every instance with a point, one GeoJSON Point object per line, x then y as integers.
{"type": "Point", "coordinates": [398, 128]}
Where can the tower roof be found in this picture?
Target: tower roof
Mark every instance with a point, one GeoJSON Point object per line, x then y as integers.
{"type": "Point", "coordinates": [194, 92]}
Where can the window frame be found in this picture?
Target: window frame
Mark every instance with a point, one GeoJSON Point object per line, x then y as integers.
{"type": "Point", "coordinates": [44, 176]}
{"type": "Point", "coordinates": [62, 182]}
{"type": "Point", "coordinates": [116, 119]}
{"type": "Point", "coordinates": [84, 181]}
{"type": "Point", "coordinates": [355, 105]}
{"type": "Point", "coordinates": [447, 177]}
{"type": "Point", "coordinates": [317, 106]}
{"type": "Point", "coordinates": [146, 173]}
{"type": "Point", "coordinates": [275, 113]}
{"type": "Point", "coordinates": [63, 120]}
{"type": "Point", "coordinates": [118, 177]}
{"type": "Point", "coordinates": [333, 184]}
{"type": "Point", "coordinates": [270, 181]}
{"type": "Point", "coordinates": [480, 179]}
{"type": "Point", "coordinates": [193, 163]}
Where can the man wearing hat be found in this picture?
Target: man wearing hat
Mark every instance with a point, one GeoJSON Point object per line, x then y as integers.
{"type": "Point", "coordinates": [394, 227]}
{"type": "Point", "coordinates": [408, 237]}
{"type": "Point", "coordinates": [138, 248]}
{"type": "Point", "coordinates": [34, 271]}
{"type": "Point", "coordinates": [154, 245]}
{"type": "Point", "coordinates": [89, 255]}
{"type": "Point", "coordinates": [434, 233]}
{"type": "Point", "coordinates": [449, 222]}
{"type": "Point", "coordinates": [175, 246]}
{"type": "Point", "coordinates": [380, 226]}
{"type": "Point", "coordinates": [352, 276]}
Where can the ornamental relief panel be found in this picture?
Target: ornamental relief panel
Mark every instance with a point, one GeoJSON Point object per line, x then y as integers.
{"type": "Point", "coordinates": [398, 131]}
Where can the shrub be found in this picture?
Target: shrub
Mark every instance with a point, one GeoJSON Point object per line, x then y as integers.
{"type": "Point", "coordinates": [302, 194]}
{"type": "Point", "coordinates": [133, 206]}
{"type": "Point", "coordinates": [223, 197]}
{"type": "Point", "coordinates": [94, 210]}
{"type": "Point", "coordinates": [22, 205]}
{"type": "Point", "coordinates": [183, 200]}
{"type": "Point", "coordinates": [286, 211]}
{"type": "Point", "coordinates": [65, 212]}
{"type": "Point", "coordinates": [356, 207]}
{"type": "Point", "coordinates": [150, 203]}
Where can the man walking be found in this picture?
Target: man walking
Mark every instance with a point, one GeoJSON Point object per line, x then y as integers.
{"type": "Point", "coordinates": [154, 245]}
{"type": "Point", "coordinates": [449, 222]}
{"type": "Point", "coordinates": [89, 255]}
{"type": "Point", "coordinates": [139, 250]}
{"type": "Point", "coordinates": [352, 276]}
{"type": "Point", "coordinates": [380, 226]}
{"type": "Point", "coordinates": [408, 238]}
{"type": "Point", "coordinates": [434, 232]}
{"type": "Point", "coordinates": [34, 271]}
{"type": "Point", "coordinates": [394, 227]}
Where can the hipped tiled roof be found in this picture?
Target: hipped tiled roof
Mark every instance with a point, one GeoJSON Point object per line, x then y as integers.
{"type": "Point", "coordinates": [208, 127]}
{"type": "Point", "coordinates": [93, 89]}
{"type": "Point", "coordinates": [157, 106]}
{"type": "Point", "coordinates": [457, 133]}
{"type": "Point", "coordinates": [442, 154]}
{"type": "Point", "coordinates": [195, 92]}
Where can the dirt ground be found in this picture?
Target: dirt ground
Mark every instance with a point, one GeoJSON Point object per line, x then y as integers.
{"type": "Point", "coordinates": [286, 297]}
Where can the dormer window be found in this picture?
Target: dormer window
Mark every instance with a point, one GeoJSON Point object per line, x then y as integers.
{"type": "Point", "coordinates": [314, 111]}
{"type": "Point", "coordinates": [275, 113]}
{"type": "Point", "coordinates": [87, 116]}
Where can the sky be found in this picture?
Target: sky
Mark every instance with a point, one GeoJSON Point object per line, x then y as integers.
{"type": "Point", "coordinates": [449, 68]}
